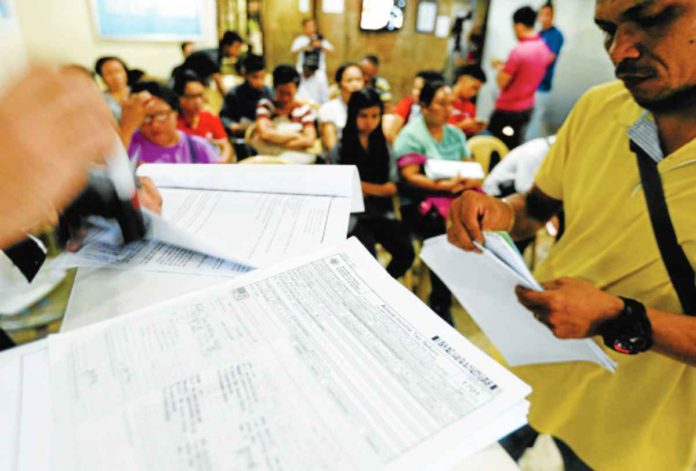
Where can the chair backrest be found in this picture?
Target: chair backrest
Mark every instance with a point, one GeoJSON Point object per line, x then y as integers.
{"type": "Point", "coordinates": [484, 150]}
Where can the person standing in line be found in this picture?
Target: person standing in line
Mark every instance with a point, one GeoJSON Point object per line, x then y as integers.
{"type": "Point", "coordinates": [552, 36]}
{"type": "Point", "coordinates": [518, 78]}
{"type": "Point", "coordinates": [310, 40]}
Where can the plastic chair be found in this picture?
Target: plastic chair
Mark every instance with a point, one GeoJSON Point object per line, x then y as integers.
{"type": "Point", "coordinates": [487, 150]}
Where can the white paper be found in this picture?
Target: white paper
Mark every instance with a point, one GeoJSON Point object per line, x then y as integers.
{"type": "Point", "coordinates": [312, 180]}
{"type": "Point", "coordinates": [303, 6]}
{"type": "Point", "coordinates": [103, 248]}
{"type": "Point", "coordinates": [99, 294]}
{"type": "Point", "coordinates": [333, 6]}
{"type": "Point", "coordinates": [254, 229]}
{"type": "Point", "coordinates": [442, 26]}
{"type": "Point", "coordinates": [485, 286]}
{"type": "Point", "coordinates": [440, 169]}
{"type": "Point", "coordinates": [324, 362]}
{"type": "Point", "coordinates": [25, 408]}
{"type": "Point", "coordinates": [427, 13]}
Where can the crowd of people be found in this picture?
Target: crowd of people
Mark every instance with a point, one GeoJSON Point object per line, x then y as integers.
{"type": "Point", "coordinates": [300, 114]}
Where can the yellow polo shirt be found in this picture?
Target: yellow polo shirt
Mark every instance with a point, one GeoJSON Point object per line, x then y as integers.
{"type": "Point", "coordinates": [643, 417]}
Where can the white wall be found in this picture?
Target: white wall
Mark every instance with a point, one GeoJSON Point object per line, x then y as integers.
{"type": "Point", "coordinates": [583, 61]}
{"type": "Point", "coordinates": [62, 31]}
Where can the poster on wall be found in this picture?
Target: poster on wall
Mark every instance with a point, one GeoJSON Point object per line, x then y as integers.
{"type": "Point", "coordinates": [148, 20]}
{"type": "Point", "coordinates": [426, 17]}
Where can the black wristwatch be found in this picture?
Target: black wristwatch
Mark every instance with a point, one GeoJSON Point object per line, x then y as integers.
{"type": "Point", "coordinates": [630, 332]}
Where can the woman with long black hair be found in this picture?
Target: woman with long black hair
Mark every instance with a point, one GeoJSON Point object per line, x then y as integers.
{"type": "Point", "coordinates": [363, 144]}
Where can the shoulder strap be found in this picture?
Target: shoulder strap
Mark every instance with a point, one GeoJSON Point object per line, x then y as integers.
{"type": "Point", "coordinates": [192, 149]}
{"type": "Point", "coordinates": [681, 273]}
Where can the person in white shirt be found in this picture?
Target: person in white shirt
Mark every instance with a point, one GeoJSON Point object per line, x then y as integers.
{"type": "Point", "coordinates": [333, 115]}
{"type": "Point", "coordinates": [515, 173]}
{"type": "Point", "coordinates": [314, 86]}
{"type": "Point", "coordinates": [311, 40]}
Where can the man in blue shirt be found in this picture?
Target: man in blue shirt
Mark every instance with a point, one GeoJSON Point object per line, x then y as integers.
{"type": "Point", "coordinates": [538, 127]}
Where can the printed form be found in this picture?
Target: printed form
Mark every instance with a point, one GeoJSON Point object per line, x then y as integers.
{"type": "Point", "coordinates": [322, 362]}
{"type": "Point", "coordinates": [248, 215]}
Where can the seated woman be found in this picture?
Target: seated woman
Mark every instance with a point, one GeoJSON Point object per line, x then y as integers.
{"type": "Point", "coordinates": [426, 202]}
{"type": "Point", "coordinates": [407, 108]}
{"type": "Point", "coordinates": [363, 144]}
{"type": "Point", "coordinates": [285, 123]}
{"type": "Point", "coordinates": [114, 73]}
{"type": "Point", "coordinates": [149, 129]}
{"type": "Point", "coordinates": [333, 114]}
{"type": "Point", "coordinates": [194, 120]}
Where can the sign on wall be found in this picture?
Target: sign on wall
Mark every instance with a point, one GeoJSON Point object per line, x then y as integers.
{"type": "Point", "coordinates": [148, 20]}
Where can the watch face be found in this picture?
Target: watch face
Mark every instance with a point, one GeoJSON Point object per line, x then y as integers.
{"type": "Point", "coordinates": [631, 344]}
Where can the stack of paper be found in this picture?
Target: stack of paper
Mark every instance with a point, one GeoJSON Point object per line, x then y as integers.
{"type": "Point", "coordinates": [251, 216]}
{"type": "Point", "coordinates": [321, 362]}
{"type": "Point", "coordinates": [485, 285]}
{"type": "Point", "coordinates": [441, 169]}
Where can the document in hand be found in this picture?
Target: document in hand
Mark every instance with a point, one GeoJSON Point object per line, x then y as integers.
{"type": "Point", "coordinates": [441, 169]}
{"type": "Point", "coordinates": [485, 285]}
{"type": "Point", "coordinates": [319, 362]}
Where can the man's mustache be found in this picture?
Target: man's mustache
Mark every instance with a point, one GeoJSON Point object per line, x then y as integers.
{"type": "Point", "coordinates": [632, 68]}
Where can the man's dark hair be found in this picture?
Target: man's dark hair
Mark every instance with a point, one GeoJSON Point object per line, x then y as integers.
{"type": "Point", "coordinates": [160, 91]}
{"type": "Point", "coordinates": [338, 76]}
{"type": "Point", "coordinates": [307, 20]}
{"type": "Point", "coordinates": [103, 60]}
{"type": "Point", "coordinates": [548, 4]}
{"type": "Point", "coordinates": [183, 79]}
{"type": "Point", "coordinates": [184, 44]}
{"type": "Point", "coordinates": [429, 90]}
{"type": "Point", "coordinates": [472, 70]}
{"type": "Point", "coordinates": [229, 38]}
{"type": "Point", "coordinates": [526, 16]}
{"type": "Point", "coordinates": [253, 63]}
{"type": "Point", "coordinates": [429, 75]}
{"type": "Point", "coordinates": [285, 73]}
{"type": "Point", "coordinates": [373, 59]}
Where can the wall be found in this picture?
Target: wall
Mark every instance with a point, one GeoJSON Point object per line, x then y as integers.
{"type": "Point", "coordinates": [582, 63]}
{"type": "Point", "coordinates": [402, 53]}
{"type": "Point", "coordinates": [62, 31]}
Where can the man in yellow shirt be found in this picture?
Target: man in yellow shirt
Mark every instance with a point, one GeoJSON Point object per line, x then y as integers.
{"type": "Point", "coordinates": [607, 276]}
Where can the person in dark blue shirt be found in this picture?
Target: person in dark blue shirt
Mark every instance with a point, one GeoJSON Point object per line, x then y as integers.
{"type": "Point", "coordinates": [552, 36]}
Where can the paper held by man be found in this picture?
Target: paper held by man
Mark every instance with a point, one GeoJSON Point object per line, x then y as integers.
{"type": "Point", "coordinates": [323, 361]}
{"type": "Point", "coordinates": [485, 286]}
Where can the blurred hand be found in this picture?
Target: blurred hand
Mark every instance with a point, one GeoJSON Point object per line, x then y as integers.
{"type": "Point", "coordinates": [134, 109]}
{"type": "Point", "coordinates": [472, 126]}
{"type": "Point", "coordinates": [471, 214]}
{"type": "Point", "coordinates": [149, 196]}
{"type": "Point", "coordinates": [53, 126]}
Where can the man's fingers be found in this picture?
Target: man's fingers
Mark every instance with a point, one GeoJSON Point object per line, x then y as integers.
{"type": "Point", "coordinates": [532, 298]}
{"type": "Point", "coordinates": [456, 233]}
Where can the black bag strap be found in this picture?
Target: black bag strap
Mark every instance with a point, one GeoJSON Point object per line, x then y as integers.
{"type": "Point", "coordinates": [192, 149]}
{"type": "Point", "coordinates": [681, 273]}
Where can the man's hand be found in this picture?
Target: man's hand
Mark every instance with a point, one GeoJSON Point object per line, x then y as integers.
{"type": "Point", "coordinates": [570, 307]}
{"type": "Point", "coordinates": [471, 214]}
{"type": "Point", "coordinates": [53, 126]}
{"type": "Point", "coordinates": [472, 126]}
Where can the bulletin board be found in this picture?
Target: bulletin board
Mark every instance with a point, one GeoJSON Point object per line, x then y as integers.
{"type": "Point", "coordinates": [148, 20]}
